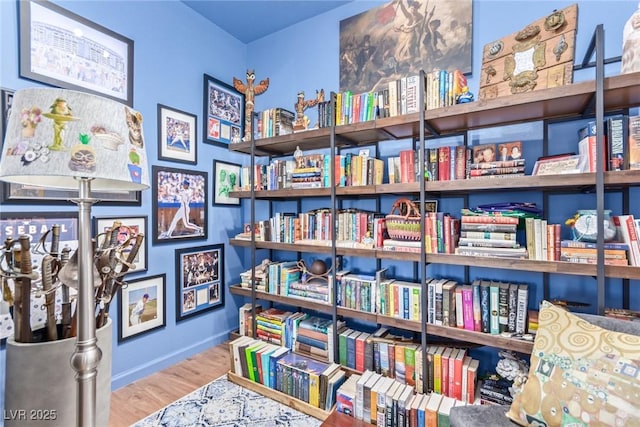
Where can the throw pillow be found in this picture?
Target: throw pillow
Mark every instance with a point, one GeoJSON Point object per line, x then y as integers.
{"type": "Point", "coordinates": [580, 374]}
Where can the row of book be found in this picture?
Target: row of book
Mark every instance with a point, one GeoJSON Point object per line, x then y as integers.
{"type": "Point", "coordinates": [274, 122]}
{"type": "Point", "coordinates": [621, 144]}
{"type": "Point", "coordinates": [281, 369]}
{"type": "Point", "coordinates": [385, 402]}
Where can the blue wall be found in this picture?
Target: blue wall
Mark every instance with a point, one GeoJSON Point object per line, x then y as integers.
{"type": "Point", "coordinates": [174, 46]}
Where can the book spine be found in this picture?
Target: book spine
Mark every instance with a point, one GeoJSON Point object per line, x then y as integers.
{"type": "Point", "coordinates": [513, 307]}
{"type": "Point", "coordinates": [503, 307]}
{"type": "Point", "coordinates": [521, 311]}
{"type": "Point", "coordinates": [467, 307]}
{"type": "Point", "coordinates": [484, 307]}
{"type": "Point", "coordinates": [494, 292]}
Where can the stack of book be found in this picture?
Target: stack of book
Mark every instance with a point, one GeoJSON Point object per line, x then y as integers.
{"type": "Point", "coordinates": [314, 337]}
{"type": "Point", "coordinates": [501, 160]}
{"type": "Point", "coordinates": [497, 238]}
{"type": "Point", "coordinates": [495, 392]}
{"type": "Point", "coordinates": [615, 253]}
{"type": "Point", "coordinates": [271, 325]}
{"type": "Point", "coordinates": [307, 177]}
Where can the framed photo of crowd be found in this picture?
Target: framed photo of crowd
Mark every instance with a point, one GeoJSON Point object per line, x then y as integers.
{"type": "Point", "coordinates": [199, 280]}
{"type": "Point", "coordinates": [223, 113]}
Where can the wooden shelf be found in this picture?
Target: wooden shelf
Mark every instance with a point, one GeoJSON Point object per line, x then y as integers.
{"type": "Point", "coordinates": [409, 325]}
{"type": "Point", "coordinates": [278, 396]}
{"type": "Point", "coordinates": [557, 267]}
{"type": "Point", "coordinates": [564, 102]}
{"type": "Point", "coordinates": [570, 182]}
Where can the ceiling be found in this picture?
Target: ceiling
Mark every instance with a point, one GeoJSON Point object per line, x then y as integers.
{"type": "Point", "coordinates": [249, 20]}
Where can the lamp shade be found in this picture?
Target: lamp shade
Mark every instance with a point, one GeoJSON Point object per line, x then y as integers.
{"type": "Point", "coordinates": [55, 136]}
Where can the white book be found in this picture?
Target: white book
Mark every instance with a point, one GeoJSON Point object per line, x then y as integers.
{"type": "Point", "coordinates": [358, 407]}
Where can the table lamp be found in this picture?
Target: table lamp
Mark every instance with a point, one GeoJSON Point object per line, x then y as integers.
{"type": "Point", "coordinates": [64, 139]}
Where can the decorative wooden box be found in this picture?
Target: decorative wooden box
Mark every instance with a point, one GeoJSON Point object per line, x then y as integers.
{"type": "Point", "coordinates": [537, 57]}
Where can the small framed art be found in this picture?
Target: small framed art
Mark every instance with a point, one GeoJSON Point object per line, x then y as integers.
{"type": "Point", "coordinates": [223, 113]}
{"type": "Point", "coordinates": [199, 280]}
{"type": "Point", "coordinates": [142, 307]}
{"type": "Point", "coordinates": [47, 32]}
{"type": "Point", "coordinates": [226, 178]}
{"type": "Point", "coordinates": [130, 227]}
{"type": "Point", "coordinates": [559, 165]}
{"type": "Point", "coordinates": [6, 100]}
{"type": "Point", "coordinates": [177, 135]}
{"type": "Point", "coordinates": [179, 205]}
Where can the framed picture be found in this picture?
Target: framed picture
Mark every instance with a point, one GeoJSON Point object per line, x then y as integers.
{"type": "Point", "coordinates": [142, 307]}
{"type": "Point", "coordinates": [23, 194]}
{"type": "Point", "coordinates": [199, 280]}
{"type": "Point", "coordinates": [402, 38]}
{"type": "Point", "coordinates": [179, 205]}
{"type": "Point", "coordinates": [226, 178]}
{"type": "Point", "coordinates": [130, 227]}
{"type": "Point", "coordinates": [558, 165]}
{"type": "Point", "coordinates": [6, 100]}
{"type": "Point", "coordinates": [223, 113]}
{"type": "Point", "coordinates": [177, 135]}
{"type": "Point", "coordinates": [60, 48]}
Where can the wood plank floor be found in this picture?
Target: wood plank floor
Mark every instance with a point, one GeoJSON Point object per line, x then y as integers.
{"type": "Point", "coordinates": [135, 401]}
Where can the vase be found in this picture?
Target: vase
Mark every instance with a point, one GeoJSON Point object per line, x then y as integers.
{"type": "Point", "coordinates": [41, 387]}
{"type": "Point", "coordinates": [28, 131]}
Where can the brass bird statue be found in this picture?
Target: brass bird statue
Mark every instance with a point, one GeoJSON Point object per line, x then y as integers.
{"type": "Point", "coordinates": [250, 92]}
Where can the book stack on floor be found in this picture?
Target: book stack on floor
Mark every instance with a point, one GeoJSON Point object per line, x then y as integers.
{"type": "Point", "coordinates": [386, 402]}
{"type": "Point", "coordinates": [314, 337]}
{"type": "Point", "coordinates": [277, 368]}
{"type": "Point", "coordinates": [495, 392]}
{"type": "Point", "coordinates": [497, 238]}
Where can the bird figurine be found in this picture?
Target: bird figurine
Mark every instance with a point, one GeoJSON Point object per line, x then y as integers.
{"type": "Point", "coordinates": [250, 91]}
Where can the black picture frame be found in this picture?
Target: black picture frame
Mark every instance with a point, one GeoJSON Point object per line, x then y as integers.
{"type": "Point", "coordinates": [154, 315]}
{"type": "Point", "coordinates": [22, 194]}
{"type": "Point", "coordinates": [43, 26]}
{"type": "Point", "coordinates": [199, 280]}
{"type": "Point", "coordinates": [222, 114]}
{"type": "Point", "coordinates": [6, 100]}
{"type": "Point", "coordinates": [177, 135]}
{"type": "Point", "coordinates": [224, 182]}
{"type": "Point", "coordinates": [131, 226]}
{"type": "Point", "coordinates": [169, 186]}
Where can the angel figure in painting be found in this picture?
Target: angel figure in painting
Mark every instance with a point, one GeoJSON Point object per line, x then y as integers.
{"type": "Point", "coordinates": [302, 121]}
{"type": "Point", "coordinates": [250, 92]}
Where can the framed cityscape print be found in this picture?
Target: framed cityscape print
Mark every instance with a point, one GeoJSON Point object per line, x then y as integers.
{"type": "Point", "coordinates": [226, 178]}
{"type": "Point", "coordinates": [223, 113]}
{"type": "Point", "coordinates": [179, 205]}
{"type": "Point", "coordinates": [401, 38]}
{"type": "Point", "coordinates": [130, 228]}
{"type": "Point", "coordinates": [177, 135]}
{"type": "Point", "coordinates": [142, 307]}
{"type": "Point", "coordinates": [199, 280]}
{"type": "Point", "coordinates": [62, 49]}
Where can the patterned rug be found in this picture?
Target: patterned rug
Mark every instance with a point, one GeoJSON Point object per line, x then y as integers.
{"type": "Point", "coordinates": [223, 403]}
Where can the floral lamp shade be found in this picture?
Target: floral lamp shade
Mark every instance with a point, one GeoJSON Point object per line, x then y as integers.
{"type": "Point", "coordinates": [55, 136]}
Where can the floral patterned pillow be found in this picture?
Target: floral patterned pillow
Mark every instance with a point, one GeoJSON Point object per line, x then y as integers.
{"type": "Point", "coordinates": [580, 374]}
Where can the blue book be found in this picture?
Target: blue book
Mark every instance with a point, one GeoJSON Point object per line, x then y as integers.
{"type": "Point", "coordinates": [273, 363]}
{"type": "Point", "coordinates": [312, 342]}
{"type": "Point", "coordinates": [265, 356]}
{"type": "Point", "coordinates": [351, 349]}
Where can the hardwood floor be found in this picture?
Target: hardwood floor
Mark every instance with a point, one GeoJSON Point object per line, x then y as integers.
{"type": "Point", "coordinates": [145, 396]}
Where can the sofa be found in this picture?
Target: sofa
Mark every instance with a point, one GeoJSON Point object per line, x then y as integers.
{"type": "Point", "coordinates": [494, 415]}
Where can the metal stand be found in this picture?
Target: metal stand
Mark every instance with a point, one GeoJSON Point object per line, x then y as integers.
{"type": "Point", "coordinates": [86, 357]}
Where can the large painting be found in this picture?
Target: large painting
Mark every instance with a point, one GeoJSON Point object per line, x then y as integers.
{"type": "Point", "coordinates": [401, 38]}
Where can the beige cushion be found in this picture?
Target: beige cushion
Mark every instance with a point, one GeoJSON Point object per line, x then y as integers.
{"type": "Point", "coordinates": [580, 374]}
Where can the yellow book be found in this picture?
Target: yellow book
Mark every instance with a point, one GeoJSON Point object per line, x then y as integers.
{"type": "Point", "coordinates": [437, 369]}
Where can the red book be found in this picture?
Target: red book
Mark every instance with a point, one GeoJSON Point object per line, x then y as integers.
{"type": "Point", "coordinates": [360, 341]}
{"type": "Point", "coordinates": [472, 380]}
{"type": "Point", "coordinates": [557, 247]}
{"type": "Point", "coordinates": [627, 229]}
{"type": "Point", "coordinates": [444, 372]}
{"type": "Point", "coordinates": [461, 162]}
{"type": "Point", "coordinates": [444, 166]}
{"type": "Point", "coordinates": [587, 147]}
{"type": "Point", "coordinates": [452, 370]}
{"type": "Point", "coordinates": [457, 377]}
